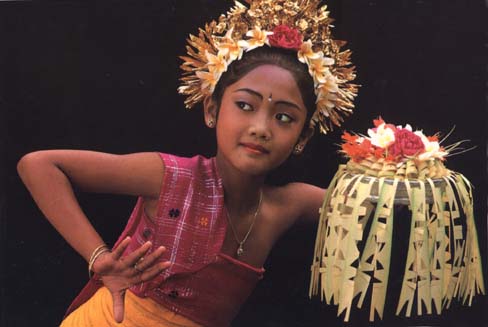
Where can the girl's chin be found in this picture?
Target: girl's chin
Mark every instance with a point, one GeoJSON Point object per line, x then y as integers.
{"type": "Point", "coordinates": [252, 163]}
{"type": "Point", "coordinates": [256, 168]}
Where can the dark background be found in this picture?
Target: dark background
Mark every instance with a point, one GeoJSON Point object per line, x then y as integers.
{"type": "Point", "coordinates": [103, 76]}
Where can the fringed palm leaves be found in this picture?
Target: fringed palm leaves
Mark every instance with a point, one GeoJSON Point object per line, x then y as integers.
{"type": "Point", "coordinates": [443, 258]}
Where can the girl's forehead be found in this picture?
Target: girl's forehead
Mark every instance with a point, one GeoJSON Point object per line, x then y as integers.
{"type": "Point", "coordinates": [270, 81]}
{"type": "Point", "coordinates": [269, 69]}
{"type": "Point", "coordinates": [269, 77]}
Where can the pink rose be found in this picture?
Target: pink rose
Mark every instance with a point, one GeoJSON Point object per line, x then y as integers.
{"type": "Point", "coordinates": [286, 37]}
{"type": "Point", "coordinates": [406, 144]}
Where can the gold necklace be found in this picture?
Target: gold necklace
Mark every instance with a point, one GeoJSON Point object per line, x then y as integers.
{"type": "Point", "coordinates": [240, 249]}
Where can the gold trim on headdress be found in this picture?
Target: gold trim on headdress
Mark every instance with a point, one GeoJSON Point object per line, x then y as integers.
{"type": "Point", "coordinates": [300, 25]}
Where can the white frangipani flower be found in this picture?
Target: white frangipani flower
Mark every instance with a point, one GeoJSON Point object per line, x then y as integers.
{"type": "Point", "coordinates": [306, 53]}
{"type": "Point", "coordinates": [382, 136]}
{"type": "Point", "coordinates": [432, 148]}
{"type": "Point", "coordinates": [230, 48]}
{"type": "Point", "coordinates": [258, 38]}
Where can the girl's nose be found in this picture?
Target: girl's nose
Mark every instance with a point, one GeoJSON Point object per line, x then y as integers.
{"type": "Point", "coordinates": [260, 126]}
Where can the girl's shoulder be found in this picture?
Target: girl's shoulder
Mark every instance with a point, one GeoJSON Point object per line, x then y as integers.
{"type": "Point", "coordinates": [301, 201]}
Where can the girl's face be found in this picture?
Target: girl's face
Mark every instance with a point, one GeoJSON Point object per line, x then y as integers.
{"type": "Point", "coordinates": [260, 120]}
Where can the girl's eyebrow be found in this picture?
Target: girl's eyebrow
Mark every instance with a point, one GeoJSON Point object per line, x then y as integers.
{"type": "Point", "coordinates": [259, 95]}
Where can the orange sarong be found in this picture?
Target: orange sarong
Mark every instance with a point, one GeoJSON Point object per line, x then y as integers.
{"type": "Point", "coordinates": [98, 312]}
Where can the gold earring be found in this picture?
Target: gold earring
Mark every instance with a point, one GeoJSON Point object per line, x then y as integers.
{"type": "Point", "coordinates": [210, 123]}
{"type": "Point", "coordinates": [298, 149]}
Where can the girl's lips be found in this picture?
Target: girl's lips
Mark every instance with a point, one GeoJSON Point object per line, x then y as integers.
{"type": "Point", "coordinates": [255, 148]}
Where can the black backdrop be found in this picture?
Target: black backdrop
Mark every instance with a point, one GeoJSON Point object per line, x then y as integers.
{"type": "Point", "coordinates": [103, 76]}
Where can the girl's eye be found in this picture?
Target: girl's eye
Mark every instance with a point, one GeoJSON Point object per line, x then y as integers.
{"type": "Point", "coordinates": [244, 106]}
{"type": "Point", "coordinates": [284, 118]}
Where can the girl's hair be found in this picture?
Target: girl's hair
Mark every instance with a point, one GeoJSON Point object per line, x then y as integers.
{"type": "Point", "coordinates": [286, 59]}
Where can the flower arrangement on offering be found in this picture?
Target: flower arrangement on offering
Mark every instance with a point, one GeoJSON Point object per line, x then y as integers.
{"type": "Point", "coordinates": [394, 165]}
{"type": "Point", "coordinates": [395, 151]}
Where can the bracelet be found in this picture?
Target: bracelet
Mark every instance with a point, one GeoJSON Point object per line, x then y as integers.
{"type": "Point", "coordinates": [94, 256]}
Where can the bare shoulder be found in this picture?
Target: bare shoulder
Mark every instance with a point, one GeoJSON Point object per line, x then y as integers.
{"type": "Point", "coordinates": [133, 174]}
{"type": "Point", "coordinates": [308, 198]}
{"type": "Point", "coordinates": [300, 201]}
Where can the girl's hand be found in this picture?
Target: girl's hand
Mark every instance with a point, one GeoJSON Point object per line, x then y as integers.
{"type": "Point", "coordinates": [120, 273]}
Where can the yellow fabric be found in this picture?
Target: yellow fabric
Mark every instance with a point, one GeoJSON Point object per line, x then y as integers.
{"type": "Point", "coordinates": [98, 312]}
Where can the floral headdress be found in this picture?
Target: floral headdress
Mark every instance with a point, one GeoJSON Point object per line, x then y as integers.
{"type": "Point", "coordinates": [299, 25]}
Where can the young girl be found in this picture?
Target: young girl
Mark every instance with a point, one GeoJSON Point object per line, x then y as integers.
{"type": "Point", "coordinates": [196, 242]}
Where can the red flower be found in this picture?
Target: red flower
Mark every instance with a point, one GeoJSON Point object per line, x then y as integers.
{"type": "Point", "coordinates": [349, 138]}
{"type": "Point", "coordinates": [378, 122]}
{"type": "Point", "coordinates": [433, 138]}
{"type": "Point", "coordinates": [406, 144]}
{"type": "Point", "coordinates": [378, 152]}
{"type": "Point", "coordinates": [358, 151]}
{"type": "Point", "coordinates": [285, 37]}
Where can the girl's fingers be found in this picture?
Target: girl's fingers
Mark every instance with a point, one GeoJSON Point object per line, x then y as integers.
{"type": "Point", "coordinates": [118, 301]}
{"type": "Point", "coordinates": [119, 250]}
{"type": "Point", "coordinates": [151, 272]}
{"type": "Point", "coordinates": [147, 261]}
{"type": "Point", "coordinates": [132, 258]}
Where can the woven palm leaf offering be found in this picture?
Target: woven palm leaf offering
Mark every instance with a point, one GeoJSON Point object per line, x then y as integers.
{"type": "Point", "coordinates": [394, 166]}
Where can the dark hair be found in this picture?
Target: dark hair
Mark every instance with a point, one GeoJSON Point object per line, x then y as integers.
{"type": "Point", "coordinates": [286, 59]}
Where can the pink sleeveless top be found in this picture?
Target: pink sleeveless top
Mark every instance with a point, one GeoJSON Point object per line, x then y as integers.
{"type": "Point", "coordinates": [202, 283]}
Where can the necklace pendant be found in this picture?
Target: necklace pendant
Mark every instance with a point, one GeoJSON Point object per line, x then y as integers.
{"type": "Point", "coordinates": [240, 250]}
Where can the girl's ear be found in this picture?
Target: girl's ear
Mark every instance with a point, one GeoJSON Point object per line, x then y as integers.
{"type": "Point", "coordinates": [210, 111]}
{"type": "Point", "coordinates": [303, 140]}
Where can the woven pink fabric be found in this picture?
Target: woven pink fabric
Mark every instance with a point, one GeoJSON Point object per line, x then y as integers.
{"type": "Point", "coordinates": [187, 221]}
{"type": "Point", "coordinates": [202, 283]}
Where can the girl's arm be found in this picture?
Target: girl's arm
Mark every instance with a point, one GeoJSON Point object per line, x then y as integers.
{"type": "Point", "coordinates": [49, 176]}
{"type": "Point", "coordinates": [309, 198]}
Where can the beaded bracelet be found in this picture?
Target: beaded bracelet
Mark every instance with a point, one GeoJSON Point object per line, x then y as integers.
{"type": "Point", "coordinates": [94, 256]}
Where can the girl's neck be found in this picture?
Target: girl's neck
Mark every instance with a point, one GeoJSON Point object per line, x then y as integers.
{"type": "Point", "coordinates": [242, 191]}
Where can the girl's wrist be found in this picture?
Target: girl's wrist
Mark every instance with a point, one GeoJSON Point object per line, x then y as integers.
{"type": "Point", "coordinates": [96, 254]}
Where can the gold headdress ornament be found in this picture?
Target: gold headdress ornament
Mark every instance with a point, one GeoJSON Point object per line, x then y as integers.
{"type": "Point", "coordinates": [292, 24]}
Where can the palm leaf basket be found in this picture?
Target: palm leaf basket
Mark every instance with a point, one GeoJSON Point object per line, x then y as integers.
{"type": "Point", "coordinates": [443, 257]}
